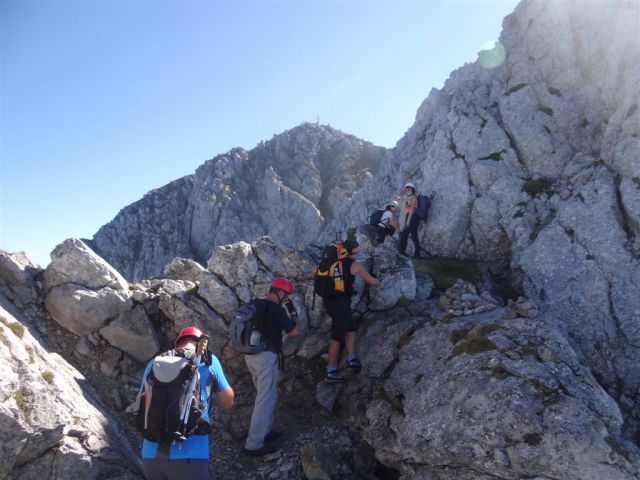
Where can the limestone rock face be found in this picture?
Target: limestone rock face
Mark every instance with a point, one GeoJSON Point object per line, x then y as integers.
{"type": "Point", "coordinates": [535, 162]}
{"type": "Point", "coordinates": [52, 424]}
{"type": "Point", "coordinates": [284, 188]}
{"type": "Point", "coordinates": [484, 396]}
{"type": "Point", "coordinates": [20, 277]}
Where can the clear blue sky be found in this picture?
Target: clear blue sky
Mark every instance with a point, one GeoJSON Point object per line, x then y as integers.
{"type": "Point", "coordinates": [102, 101]}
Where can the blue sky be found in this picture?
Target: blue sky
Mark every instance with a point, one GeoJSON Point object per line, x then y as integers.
{"type": "Point", "coordinates": [102, 101]}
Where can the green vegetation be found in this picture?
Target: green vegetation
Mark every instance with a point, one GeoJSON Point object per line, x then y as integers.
{"type": "Point", "coordinates": [402, 303]}
{"type": "Point", "coordinates": [444, 271]}
{"type": "Point", "coordinates": [472, 346]}
{"type": "Point", "coordinates": [533, 439]}
{"type": "Point", "coordinates": [518, 214]}
{"type": "Point", "coordinates": [458, 334]}
{"type": "Point", "coordinates": [21, 399]}
{"type": "Point", "coordinates": [418, 378]}
{"type": "Point", "coordinates": [528, 351]}
{"type": "Point", "coordinates": [472, 342]}
{"type": "Point", "coordinates": [537, 186]}
{"type": "Point", "coordinates": [500, 372]}
{"type": "Point", "coordinates": [48, 376]}
{"type": "Point", "coordinates": [15, 327]}
{"type": "Point", "coordinates": [486, 329]}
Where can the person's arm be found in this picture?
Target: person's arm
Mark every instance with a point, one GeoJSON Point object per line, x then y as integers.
{"type": "Point", "coordinates": [224, 394]}
{"type": "Point", "coordinates": [358, 269]}
{"type": "Point", "coordinates": [225, 398]}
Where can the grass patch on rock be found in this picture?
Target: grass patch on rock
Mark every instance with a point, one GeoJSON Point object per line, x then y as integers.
{"type": "Point", "coordinates": [15, 327]}
{"type": "Point", "coordinates": [533, 439]}
{"type": "Point", "coordinates": [48, 376]}
{"type": "Point", "coordinates": [402, 303]}
{"type": "Point", "coordinates": [537, 186]}
{"type": "Point", "coordinates": [473, 341]}
{"type": "Point", "coordinates": [444, 271]}
{"type": "Point", "coordinates": [500, 372]}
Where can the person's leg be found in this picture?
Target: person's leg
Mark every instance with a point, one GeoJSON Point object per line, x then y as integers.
{"type": "Point", "coordinates": [381, 233]}
{"type": "Point", "coordinates": [334, 351]}
{"type": "Point", "coordinates": [404, 236]}
{"type": "Point", "coordinates": [332, 306]}
{"type": "Point", "coordinates": [349, 342]}
{"type": "Point", "coordinates": [415, 224]}
{"type": "Point", "coordinates": [265, 368]}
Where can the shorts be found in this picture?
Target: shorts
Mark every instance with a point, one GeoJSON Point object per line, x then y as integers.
{"type": "Point", "coordinates": [165, 469]}
{"type": "Point", "coordinates": [342, 321]}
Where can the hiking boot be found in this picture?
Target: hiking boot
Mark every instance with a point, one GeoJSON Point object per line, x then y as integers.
{"type": "Point", "coordinates": [354, 364]}
{"type": "Point", "coordinates": [260, 452]}
{"type": "Point", "coordinates": [333, 377]}
{"type": "Point", "coordinates": [273, 436]}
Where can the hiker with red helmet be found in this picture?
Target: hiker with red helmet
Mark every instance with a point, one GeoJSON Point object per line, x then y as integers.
{"type": "Point", "coordinates": [264, 365]}
{"type": "Point", "coordinates": [173, 414]}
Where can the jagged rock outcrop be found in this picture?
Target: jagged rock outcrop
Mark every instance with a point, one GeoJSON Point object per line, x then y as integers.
{"type": "Point", "coordinates": [52, 423]}
{"type": "Point", "coordinates": [536, 166]}
{"type": "Point", "coordinates": [483, 397]}
{"type": "Point", "coordinates": [284, 188]}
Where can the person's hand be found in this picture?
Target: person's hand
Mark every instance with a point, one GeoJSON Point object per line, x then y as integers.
{"type": "Point", "coordinates": [201, 348]}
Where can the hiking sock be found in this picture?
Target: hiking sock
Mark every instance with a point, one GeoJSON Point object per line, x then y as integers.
{"type": "Point", "coordinates": [351, 357]}
{"type": "Point", "coordinates": [332, 368]}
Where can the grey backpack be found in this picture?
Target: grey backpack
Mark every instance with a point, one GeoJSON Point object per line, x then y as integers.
{"type": "Point", "coordinates": [247, 327]}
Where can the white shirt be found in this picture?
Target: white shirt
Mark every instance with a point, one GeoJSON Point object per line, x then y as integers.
{"type": "Point", "coordinates": [386, 216]}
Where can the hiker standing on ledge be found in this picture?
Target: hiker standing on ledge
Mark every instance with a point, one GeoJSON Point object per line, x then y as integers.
{"type": "Point", "coordinates": [263, 366]}
{"type": "Point", "coordinates": [338, 307]}
{"type": "Point", "coordinates": [411, 221]}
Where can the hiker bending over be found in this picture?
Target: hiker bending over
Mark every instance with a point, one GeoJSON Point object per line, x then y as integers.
{"type": "Point", "coordinates": [264, 365]}
{"type": "Point", "coordinates": [388, 222]}
{"type": "Point", "coordinates": [175, 408]}
{"type": "Point", "coordinates": [411, 221]}
{"type": "Point", "coordinates": [338, 307]}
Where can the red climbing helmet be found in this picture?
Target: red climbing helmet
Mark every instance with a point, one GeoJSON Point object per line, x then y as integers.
{"type": "Point", "coordinates": [188, 332]}
{"type": "Point", "coordinates": [283, 284]}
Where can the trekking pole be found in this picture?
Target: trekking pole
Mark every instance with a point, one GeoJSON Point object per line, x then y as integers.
{"type": "Point", "coordinates": [186, 405]}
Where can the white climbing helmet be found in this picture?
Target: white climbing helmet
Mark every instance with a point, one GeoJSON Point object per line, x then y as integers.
{"type": "Point", "coordinates": [393, 204]}
{"type": "Point", "coordinates": [409, 185]}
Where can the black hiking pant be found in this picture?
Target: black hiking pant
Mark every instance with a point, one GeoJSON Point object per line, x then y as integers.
{"type": "Point", "coordinates": [412, 229]}
{"type": "Point", "coordinates": [384, 231]}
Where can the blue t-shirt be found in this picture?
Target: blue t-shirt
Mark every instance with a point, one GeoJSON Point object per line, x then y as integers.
{"type": "Point", "coordinates": [195, 446]}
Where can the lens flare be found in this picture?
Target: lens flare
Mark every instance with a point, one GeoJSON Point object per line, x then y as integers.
{"type": "Point", "coordinates": [492, 55]}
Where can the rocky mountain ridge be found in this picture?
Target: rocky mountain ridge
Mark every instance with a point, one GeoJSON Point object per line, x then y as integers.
{"type": "Point", "coordinates": [285, 188]}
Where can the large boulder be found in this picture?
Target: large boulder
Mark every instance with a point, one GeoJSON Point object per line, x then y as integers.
{"type": "Point", "coordinates": [52, 424]}
{"type": "Point", "coordinates": [82, 310]}
{"type": "Point", "coordinates": [74, 262]}
{"type": "Point", "coordinates": [19, 275]}
{"type": "Point", "coordinates": [488, 398]}
{"type": "Point", "coordinates": [133, 333]}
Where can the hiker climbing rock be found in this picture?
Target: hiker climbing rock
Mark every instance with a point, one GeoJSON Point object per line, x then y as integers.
{"type": "Point", "coordinates": [416, 208]}
{"type": "Point", "coordinates": [334, 282]}
{"type": "Point", "coordinates": [173, 408]}
{"type": "Point", "coordinates": [272, 319]}
{"type": "Point", "coordinates": [385, 221]}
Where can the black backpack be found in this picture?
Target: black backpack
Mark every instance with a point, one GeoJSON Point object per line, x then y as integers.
{"type": "Point", "coordinates": [247, 327]}
{"type": "Point", "coordinates": [330, 277]}
{"type": "Point", "coordinates": [166, 388]}
{"type": "Point", "coordinates": [375, 217]}
{"type": "Point", "coordinates": [424, 203]}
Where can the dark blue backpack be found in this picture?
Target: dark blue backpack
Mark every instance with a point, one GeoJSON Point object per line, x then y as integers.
{"type": "Point", "coordinates": [424, 202]}
{"type": "Point", "coordinates": [375, 217]}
